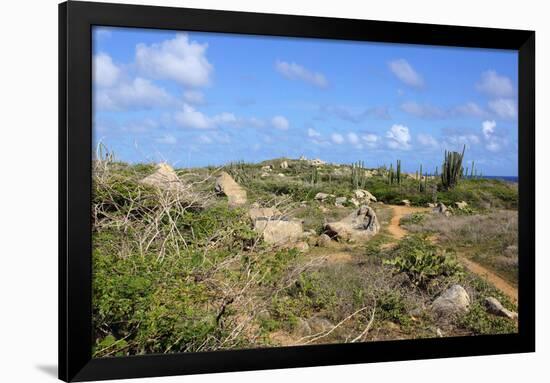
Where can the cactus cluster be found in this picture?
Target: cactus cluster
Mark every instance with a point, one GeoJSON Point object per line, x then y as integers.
{"type": "Point", "coordinates": [314, 176]}
{"type": "Point", "coordinates": [395, 176]}
{"type": "Point", "coordinates": [238, 171]}
{"type": "Point", "coordinates": [451, 170]}
{"type": "Point", "coordinates": [358, 176]}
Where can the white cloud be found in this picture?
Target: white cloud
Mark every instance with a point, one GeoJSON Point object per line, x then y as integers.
{"type": "Point", "coordinates": [455, 141]}
{"type": "Point", "coordinates": [138, 94]}
{"type": "Point", "coordinates": [470, 109]}
{"type": "Point", "coordinates": [504, 108]}
{"type": "Point", "coordinates": [427, 140]}
{"type": "Point", "coordinates": [488, 128]}
{"type": "Point", "coordinates": [493, 143]}
{"type": "Point", "coordinates": [167, 139]}
{"type": "Point", "coordinates": [193, 97]}
{"type": "Point", "coordinates": [178, 59]}
{"type": "Point", "coordinates": [294, 71]}
{"type": "Point", "coordinates": [189, 117]}
{"type": "Point", "coordinates": [493, 84]}
{"type": "Point", "coordinates": [313, 133]}
{"type": "Point", "coordinates": [104, 71]}
{"type": "Point", "coordinates": [423, 110]}
{"type": "Point", "coordinates": [371, 140]}
{"type": "Point", "coordinates": [337, 138]}
{"type": "Point", "coordinates": [406, 73]}
{"type": "Point", "coordinates": [354, 114]}
{"type": "Point", "coordinates": [398, 137]}
{"type": "Point", "coordinates": [204, 139]}
{"type": "Point", "coordinates": [493, 146]}
{"type": "Point", "coordinates": [280, 122]}
{"type": "Point", "coordinates": [353, 138]}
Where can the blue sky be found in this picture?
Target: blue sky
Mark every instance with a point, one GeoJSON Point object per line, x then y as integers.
{"type": "Point", "coordinates": [195, 99]}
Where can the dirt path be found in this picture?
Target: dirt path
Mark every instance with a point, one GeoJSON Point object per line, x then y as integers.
{"type": "Point", "coordinates": [506, 288]}
{"type": "Point", "coordinates": [399, 212]}
{"type": "Point", "coordinates": [399, 232]}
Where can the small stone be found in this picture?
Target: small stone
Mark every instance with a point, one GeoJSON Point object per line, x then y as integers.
{"type": "Point", "coordinates": [495, 307]}
{"type": "Point", "coordinates": [323, 240]}
{"type": "Point", "coordinates": [340, 201]}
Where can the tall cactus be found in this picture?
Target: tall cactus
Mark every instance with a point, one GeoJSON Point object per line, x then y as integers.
{"type": "Point", "coordinates": [314, 176]}
{"type": "Point", "coordinates": [398, 172]}
{"type": "Point", "coordinates": [390, 175]}
{"type": "Point", "coordinates": [452, 168]}
{"type": "Point", "coordinates": [426, 182]}
{"type": "Point", "coordinates": [358, 176]}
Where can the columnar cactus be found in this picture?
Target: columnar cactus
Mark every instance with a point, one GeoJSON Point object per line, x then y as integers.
{"type": "Point", "coordinates": [452, 169]}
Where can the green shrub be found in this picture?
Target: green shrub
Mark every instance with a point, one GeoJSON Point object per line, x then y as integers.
{"type": "Point", "coordinates": [420, 261]}
{"type": "Point", "coordinates": [392, 307]}
{"type": "Point", "coordinates": [479, 321]}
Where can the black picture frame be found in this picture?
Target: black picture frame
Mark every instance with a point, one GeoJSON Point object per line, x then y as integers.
{"type": "Point", "coordinates": [75, 154]}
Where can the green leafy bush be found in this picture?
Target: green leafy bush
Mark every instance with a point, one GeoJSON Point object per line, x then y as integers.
{"type": "Point", "coordinates": [421, 262]}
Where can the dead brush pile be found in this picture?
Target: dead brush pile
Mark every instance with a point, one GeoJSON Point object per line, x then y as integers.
{"type": "Point", "coordinates": [175, 270]}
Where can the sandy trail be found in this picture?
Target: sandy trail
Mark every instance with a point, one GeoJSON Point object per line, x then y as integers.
{"type": "Point", "coordinates": [399, 232]}
{"type": "Point", "coordinates": [399, 212]}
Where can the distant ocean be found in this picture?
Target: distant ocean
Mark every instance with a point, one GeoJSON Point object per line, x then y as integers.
{"type": "Point", "coordinates": [503, 178]}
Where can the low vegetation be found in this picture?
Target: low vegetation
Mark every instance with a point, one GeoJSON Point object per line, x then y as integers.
{"type": "Point", "coordinates": [179, 270]}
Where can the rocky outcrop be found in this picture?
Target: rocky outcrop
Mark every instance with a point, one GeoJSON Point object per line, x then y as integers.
{"type": "Point", "coordinates": [406, 202]}
{"type": "Point", "coordinates": [284, 165]}
{"type": "Point", "coordinates": [226, 185]}
{"type": "Point", "coordinates": [164, 178]}
{"type": "Point", "coordinates": [317, 162]}
{"type": "Point", "coordinates": [359, 225]}
{"type": "Point", "coordinates": [495, 307]}
{"type": "Point", "coordinates": [365, 195]}
{"type": "Point", "coordinates": [452, 302]}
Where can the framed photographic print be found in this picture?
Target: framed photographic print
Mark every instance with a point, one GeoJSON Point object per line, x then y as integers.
{"type": "Point", "coordinates": [249, 191]}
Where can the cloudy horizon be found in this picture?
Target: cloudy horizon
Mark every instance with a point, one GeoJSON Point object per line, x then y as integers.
{"type": "Point", "coordinates": [195, 99]}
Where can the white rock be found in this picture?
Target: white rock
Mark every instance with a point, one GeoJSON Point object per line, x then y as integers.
{"type": "Point", "coordinates": [453, 301]}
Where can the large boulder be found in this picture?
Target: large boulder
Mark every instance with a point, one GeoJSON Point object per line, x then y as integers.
{"type": "Point", "coordinates": [226, 185]}
{"type": "Point", "coordinates": [164, 178]}
{"type": "Point", "coordinates": [279, 231]}
{"type": "Point", "coordinates": [364, 195]}
{"type": "Point", "coordinates": [359, 225]}
{"type": "Point", "coordinates": [495, 307]}
{"type": "Point", "coordinates": [452, 302]}
{"type": "Point", "coordinates": [284, 165]}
